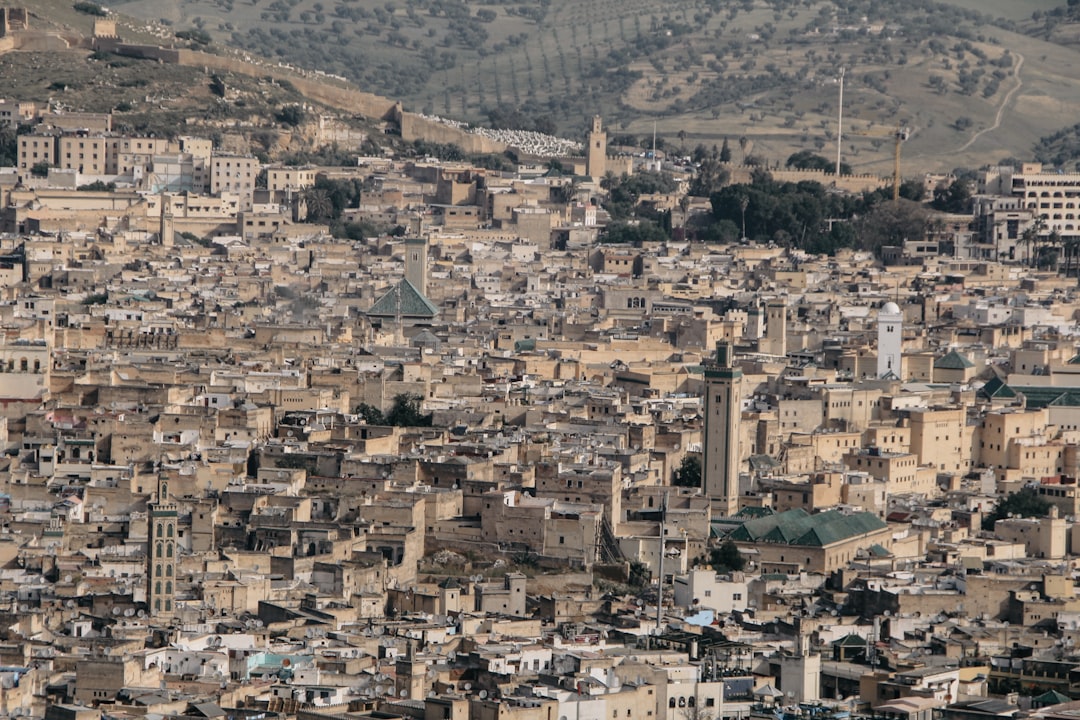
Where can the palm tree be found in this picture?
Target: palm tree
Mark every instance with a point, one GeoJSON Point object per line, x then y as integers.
{"type": "Point", "coordinates": [319, 206]}
{"type": "Point", "coordinates": [1027, 240]}
{"type": "Point", "coordinates": [1053, 243]}
{"type": "Point", "coordinates": [1070, 245]}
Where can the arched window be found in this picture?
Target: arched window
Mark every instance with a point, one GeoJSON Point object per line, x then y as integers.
{"type": "Point", "coordinates": [168, 550]}
{"type": "Point", "coordinates": [24, 365]}
{"type": "Point", "coordinates": [682, 702]}
{"type": "Point", "coordinates": [160, 550]}
{"type": "Point", "coordinates": [157, 571]}
{"type": "Point", "coordinates": [690, 701]}
{"type": "Point", "coordinates": [168, 605]}
{"type": "Point", "coordinates": [157, 587]}
{"type": "Point", "coordinates": [168, 530]}
{"type": "Point", "coordinates": [159, 529]}
{"type": "Point", "coordinates": [671, 703]}
{"type": "Point", "coordinates": [168, 587]}
{"type": "Point", "coordinates": [168, 571]}
{"type": "Point", "coordinates": [157, 604]}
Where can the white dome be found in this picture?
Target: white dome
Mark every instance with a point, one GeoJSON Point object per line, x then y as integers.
{"type": "Point", "coordinates": [889, 308]}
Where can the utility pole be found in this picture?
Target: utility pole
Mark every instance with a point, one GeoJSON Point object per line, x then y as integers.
{"type": "Point", "coordinates": [660, 579]}
{"type": "Point", "coordinates": [840, 125]}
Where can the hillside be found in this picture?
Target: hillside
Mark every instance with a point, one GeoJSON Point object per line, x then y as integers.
{"type": "Point", "coordinates": [975, 81]}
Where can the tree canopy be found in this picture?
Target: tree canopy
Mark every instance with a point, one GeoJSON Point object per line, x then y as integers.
{"type": "Point", "coordinates": [727, 557]}
{"type": "Point", "coordinates": [1023, 503]}
{"type": "Point", "coordinates": [808, 216]}
{"type": "Point", "coordinates": [407, 411]}
{"type": "Point", "coordinates": [807, 160]}
{"type": "Point", "coordinates": [688, 474]}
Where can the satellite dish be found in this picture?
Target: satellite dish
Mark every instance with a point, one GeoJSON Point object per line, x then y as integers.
{"type": "Point", "coordinates": [141, 613]}
{"type": "Point", "coordinates": [404, 693]}
{"type": "Point", "coordinates": [116, 611]}
{"type": "Point", "coordinates": [67, 579]}
{"type": "Point", "coordinates": [69, 604]}
{"type": "Point", "coordinates": [483, 694]}
{"type": "Point", "coordinates": [467, 686]}
{"type": "Point", "coordinates": [130, 612]}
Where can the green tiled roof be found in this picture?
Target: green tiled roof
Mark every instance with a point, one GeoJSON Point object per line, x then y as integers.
{"type": "Point", "coordinates": [797, 527]}
{"type": "Point", "coordinates": [1036, 398]}
{"type": "Point", "coordinates": [995, 387]}
{"type": "Point", "coordinates": [953, 361]}
{"type": "Point", "coordinates": [879, 551]}
{"type": "Point", "coordinates": [413, 303]}
{"type": "Point", "coordinates": [851, 640]}
{"type": "Point", "coordinates": [1051, 697]}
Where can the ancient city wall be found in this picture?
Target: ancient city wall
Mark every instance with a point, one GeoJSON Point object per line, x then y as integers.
{"type": "Point", "coordinates": [414, 127]}
{"type": "Point", "coordinates": [851, 183]}
{"type": "Point", "coordinates": [374, 107]}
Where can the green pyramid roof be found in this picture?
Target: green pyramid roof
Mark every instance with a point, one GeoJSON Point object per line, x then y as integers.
{"type": "Point", "coordinates": [1051, 697]}
{"type": "Point", "coordinates": [953, 361]}
{"type": "Point", "coordinates": [995, 387]}
{"type": "Point", "coordinates": [851, 640]}
{"type": "Point", "coordinates": [413, 303]}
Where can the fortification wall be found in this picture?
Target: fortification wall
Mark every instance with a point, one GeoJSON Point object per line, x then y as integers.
{"type": "Point", "coordinates": [414, 127]}
{"type": "Point", "coordinates": [366, 104]}
{"type": "Point", "coordinates": [850, 183]}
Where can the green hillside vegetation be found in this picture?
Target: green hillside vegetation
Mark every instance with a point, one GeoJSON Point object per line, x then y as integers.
{"type": "Point", "coordinates": [701, 69]}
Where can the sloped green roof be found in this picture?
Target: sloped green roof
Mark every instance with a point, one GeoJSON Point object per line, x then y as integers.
{"type": "Point", "coordinates": [851, 640]}
{"type": "Point", "coordinates": [1075, 360]}
{"type": "Point", "coordinates": [953, 361]}
{"type": "Point", "coordinates": [995, 387]}
{"type": "Point", "coordinates": [797, 527]}
{"type": "Point", "coordinates": [1050, 697]}
{"type": "Point", "coordinates": [413, 303]}
{"type": "Point", "coordinates": [879, 551]}
{"type": "Point", "coordinates": [1039, 397]}
{"type": "Point", "coordinates": [1069, 398]}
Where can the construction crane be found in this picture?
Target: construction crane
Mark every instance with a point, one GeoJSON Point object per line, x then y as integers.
{"type": "Point", "coordinates": [899, 134]}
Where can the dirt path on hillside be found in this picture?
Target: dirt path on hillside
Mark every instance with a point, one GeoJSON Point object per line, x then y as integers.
{"type": "Point", "coordinates": [1001, 110]}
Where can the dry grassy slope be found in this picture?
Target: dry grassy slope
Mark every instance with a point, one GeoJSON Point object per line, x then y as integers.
{"type": "Point", "coordinates": [550, 65]}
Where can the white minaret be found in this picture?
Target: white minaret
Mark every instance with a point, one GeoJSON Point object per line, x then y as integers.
{"type": "Point", "coordinates": [889, 340]}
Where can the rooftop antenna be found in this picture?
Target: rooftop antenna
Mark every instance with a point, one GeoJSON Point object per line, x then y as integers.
{"type": "Point", "coordinates": [840, 124]}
